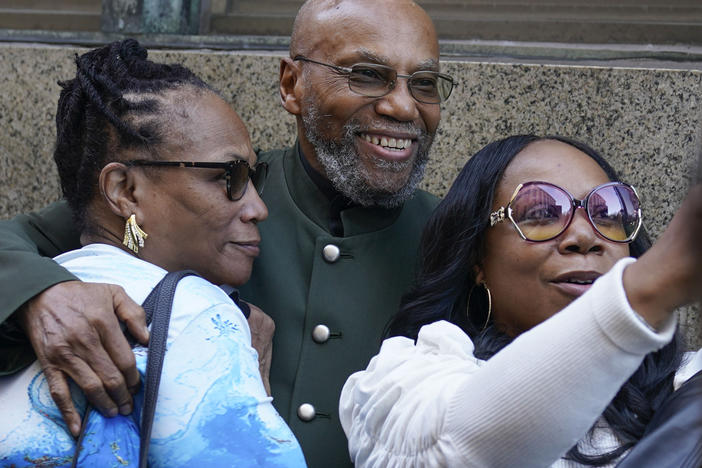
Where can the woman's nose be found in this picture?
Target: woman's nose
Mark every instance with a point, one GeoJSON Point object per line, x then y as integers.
{"type": "Point", "coordinates": [580, 237]}
{"type": "Point", "coordinates": [254, 208]}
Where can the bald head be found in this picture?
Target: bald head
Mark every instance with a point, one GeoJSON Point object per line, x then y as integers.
{"type": "Point", "coordinates": [372, 146]}
{"type": "Point", "coordinates": [319, 22]}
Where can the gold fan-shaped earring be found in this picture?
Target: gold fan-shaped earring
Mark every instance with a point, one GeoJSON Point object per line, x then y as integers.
{"type": "Point", "coordinates": [134, 236]}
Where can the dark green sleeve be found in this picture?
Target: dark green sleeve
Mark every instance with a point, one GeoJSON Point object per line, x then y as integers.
{"type": "Point", "coordinates": [27, 244]}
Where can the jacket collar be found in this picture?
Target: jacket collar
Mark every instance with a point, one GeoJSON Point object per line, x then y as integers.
{"type": "Point", "coordinates": [318, 200]}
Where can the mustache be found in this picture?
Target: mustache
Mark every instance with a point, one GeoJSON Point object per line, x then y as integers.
{"type": "Point", "coordinates": [354, 126]}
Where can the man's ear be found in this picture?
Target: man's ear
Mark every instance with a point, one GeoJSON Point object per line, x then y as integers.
{"type": "Point", "coordinates": [117, 183]}
{"type": "Point", "coordinates": [289, 85]}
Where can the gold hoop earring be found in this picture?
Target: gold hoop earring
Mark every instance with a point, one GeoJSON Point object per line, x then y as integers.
{"type": "Point", "coordinates": [134, 236]}
{"type": "Point", "coordinates": [489, 297]}
{"type": "Point", "coordinates": [487, 319]}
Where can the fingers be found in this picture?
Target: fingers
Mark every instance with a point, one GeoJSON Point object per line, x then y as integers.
{"type": "Point", "coordinates": [116, 371]}
{"type": "Point", "coordinates": [103, 366]}
{"type": "Point", "coordinates": [264, 368]}
{"type": "Point", "coordinates": [131, 313]}
{"type": "Point", "coordinates": [104, 390]}
{"type": "Point", "coordinates": [120, 362]}
{"type": "Point", "coordinates": [61, 394]}
{"type": "Point", "coordinates": [262, 330]}
{"type": "Point", "coordinates": [74, 331]}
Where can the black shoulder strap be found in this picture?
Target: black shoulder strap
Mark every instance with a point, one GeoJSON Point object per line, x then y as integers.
{"type": "Point", "coordinates": [157, 307]}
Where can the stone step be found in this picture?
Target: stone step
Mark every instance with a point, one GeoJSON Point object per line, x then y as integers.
{"type": "Point", "coordinates": [502, 6]}
{"type": "Point", "coordinates": [551, 3]}
{"type": "Point", "coordinates": [52, 5]}
{"type": "Point", "coordinates": [50, 20]}
{"type": "Point", "coordinates": [662, 11]}
{"type": "Point", "coordinates": [610, 13]}
{"type": "Point", "coordinates": [681, 26]}
{"type": "Point", "coordinates": [256, 25]}
{"type": "Point", "coordinates": [593, 21]}
{"type": "Point", "coordinates": [575, 31]}
{"type": "Point", "coordinates": [265, 7]}
{"type": "Point", "coordinates": [53, 15]}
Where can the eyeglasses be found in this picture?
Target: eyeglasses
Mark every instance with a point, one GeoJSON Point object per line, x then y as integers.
{"type": "Point", "coordinates": [541, 211]}
{"type": "Point", "coordinates": [236, 173]}
{"type": "Point", "coordinates": [375, 80]}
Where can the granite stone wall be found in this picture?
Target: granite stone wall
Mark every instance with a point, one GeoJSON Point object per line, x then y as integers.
{"type": "Point", "coordinates": [644, 120]}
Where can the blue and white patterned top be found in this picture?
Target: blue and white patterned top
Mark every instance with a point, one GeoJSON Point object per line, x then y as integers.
{"type": "Point", "coordinates": [212, 408]}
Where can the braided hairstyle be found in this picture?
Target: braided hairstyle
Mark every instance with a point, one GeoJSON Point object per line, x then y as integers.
{"type": "Point", "coordinates": [115, 102]}
{"type": "Point", "coordinates": [453, 241]}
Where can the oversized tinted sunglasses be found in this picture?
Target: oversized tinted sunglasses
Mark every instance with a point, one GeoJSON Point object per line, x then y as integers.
{"type": "Point", "coordinates": [541, 211]}
{"type": "Point", "coordinates": [237, 173]}
{"type": "Point", "coordinates": [375, 80]}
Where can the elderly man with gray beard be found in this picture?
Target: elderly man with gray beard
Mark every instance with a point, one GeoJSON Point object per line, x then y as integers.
{"type": "Point", "coordinates": [340, 244]}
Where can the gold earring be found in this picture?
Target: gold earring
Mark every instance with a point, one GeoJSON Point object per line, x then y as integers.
{"type": "Point", "coordinates": [489, 297]}
{"type": "Point", "coordinates": [487, 319]}
{"type": "Point", "coordinates": [134, 236]}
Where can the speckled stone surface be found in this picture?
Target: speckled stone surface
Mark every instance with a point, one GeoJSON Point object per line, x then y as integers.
{"type": "Point", "coordinates": [645, 121]}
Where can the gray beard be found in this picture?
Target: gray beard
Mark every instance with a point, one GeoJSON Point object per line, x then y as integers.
{"type": "Point", "coordinates": [342, 164]}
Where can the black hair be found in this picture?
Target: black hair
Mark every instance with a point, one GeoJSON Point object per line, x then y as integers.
{"type": "Point", "coordinates": [453, 243]}
{"type": "Point", "coordinates": [111, 104]}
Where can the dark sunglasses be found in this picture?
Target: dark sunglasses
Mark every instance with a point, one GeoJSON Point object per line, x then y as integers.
{"type": "Point", "coordinates": [237, 173]}
{"type": "Point", "coordinates": [541, 211]}
{"type": "Point", "coordinates": [375, 80]}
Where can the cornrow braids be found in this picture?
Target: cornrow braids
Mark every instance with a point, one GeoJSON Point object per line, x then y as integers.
{"type": "Point", "coordinates": [115, 101]}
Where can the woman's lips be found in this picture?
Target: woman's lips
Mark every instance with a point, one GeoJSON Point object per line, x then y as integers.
{"type": "Point", "coordinates": [250, 248]}
{"type": "Point", "coordinates": [575, 283]}
{"type": "Point", "coordinates": [572, 289]}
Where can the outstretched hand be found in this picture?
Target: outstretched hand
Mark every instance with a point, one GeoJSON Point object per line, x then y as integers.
{"type": "Point", "coordinates": [74, 330]}
{"type": "Point", "coordinates": [669, 275]}
{"type": "Point", "coordinates": [262, 330]}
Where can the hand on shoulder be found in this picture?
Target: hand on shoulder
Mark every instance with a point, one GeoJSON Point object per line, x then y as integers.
{"type": "Point", "coordinates": [74, 330]}
{"type": "Point", "coordinates": [262, 331]}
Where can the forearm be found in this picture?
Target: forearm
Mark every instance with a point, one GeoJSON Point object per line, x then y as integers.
{"type": "Point", "coordinates": [544, 391]}
{"type": "Point", "coordinates": [26, 244]}
{"type": "Point", "coordinates": [669, 275]}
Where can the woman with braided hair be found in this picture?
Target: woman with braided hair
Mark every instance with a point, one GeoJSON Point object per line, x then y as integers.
{"type": "Point", "coordinates": [161, 176]}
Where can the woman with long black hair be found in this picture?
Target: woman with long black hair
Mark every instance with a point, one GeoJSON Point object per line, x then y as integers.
{"type": "Point", "coordinates": [483, 369]}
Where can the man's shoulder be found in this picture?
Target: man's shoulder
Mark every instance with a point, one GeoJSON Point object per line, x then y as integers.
{"type": "Point", "coordinates": [272, 156]}
{"type": "Point", "coordinates": [422, 201]}
{"type": "Point", "coordinates": [416, 212]}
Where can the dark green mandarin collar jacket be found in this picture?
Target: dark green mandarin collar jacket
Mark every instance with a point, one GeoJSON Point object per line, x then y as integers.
{"type": "Point", "coordinates": [354, 296]}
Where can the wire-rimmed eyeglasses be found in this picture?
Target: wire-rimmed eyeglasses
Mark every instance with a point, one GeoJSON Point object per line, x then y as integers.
{"type": "Point", "coordinates": [541, 211]}
{"type": "Point", "coordinates": [375, 80]}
